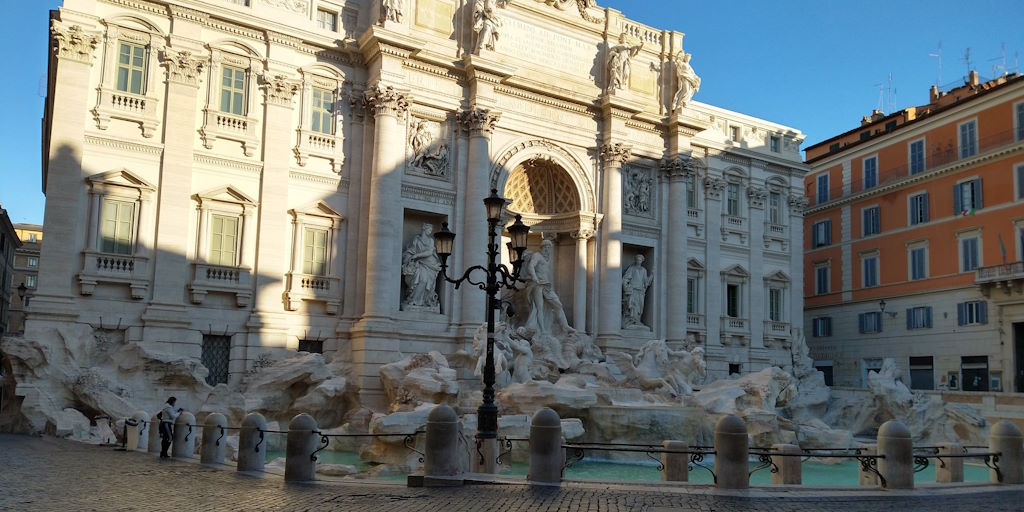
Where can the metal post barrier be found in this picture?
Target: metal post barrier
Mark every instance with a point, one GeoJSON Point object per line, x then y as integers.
{"type": "Point", "coordinates": [252, 454]}
{"type": "Point", "coordinates": [184, 443]}
{"type": "Point", "coordinates": [1007, 446]}
{"type": "Point", "coordinates": [214, 446]}
{"type": "Point", "coordinates": [676, 464]}
{"type": "Point", "coordinates": [546, 454]}
{"type": "Point", "coordinates": [732, 453]}
{"type": "Point", "coordinates": [300, 454]}
{"type": "Point", "coordinates": [867, 474]}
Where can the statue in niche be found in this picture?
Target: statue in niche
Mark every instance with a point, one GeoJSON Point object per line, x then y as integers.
{"type": "Point", "coordinates": [391, 10]}
{"type": "Point", "coordinates": [638, 193]}
{"type": "Point", "coordinates": [486, 23]}
{"type": "Point", "coordinates": [619, 66]}
{"type": "Point", "coordinates": [420, 266]}
{"type": "Point", "coordinates": [545, 306]}
{"type": "Point", "coordinates": [689, 82]}
{"type": "Point", "coordinates": [635, 282]}
{"type": "Point", "coordinates": [428, 158]}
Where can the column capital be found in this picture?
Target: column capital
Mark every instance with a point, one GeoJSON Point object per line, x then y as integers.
{"type": "Point", "coordinates": [386, 100]}
{"type": "Point", "coordinates": [74, 43]}
{"type": "Point", "coordinates": [583, 234]}
{"type": "Point", "coordinates": [714, 186]}
{"type": "Point", "coordinates": [681, 167]}
{"type": "Point", "coordinates": [357, 105]}
{"type": "Point", "coordinates": [797, 204]}
{"type": "Point", "coordinates": [616, 152]}
{"type": "Point", "coordinates": [756, 196]}
{"type": "Point", "coordinates": [479, 120]}
{"type": "Point", "coordinates": [182, 66]}
{"type": "Point", "coordinates": [279, 89]}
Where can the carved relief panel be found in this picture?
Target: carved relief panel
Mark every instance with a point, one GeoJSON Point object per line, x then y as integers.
{"type": "Point", "coordinates": [637, 192]}
{"type": "Point", "coordinates": [428, 148]}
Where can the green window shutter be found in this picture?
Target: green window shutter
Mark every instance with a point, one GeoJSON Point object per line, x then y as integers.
{"type": "Point", "coordinates": [116, 227]}
{"type": "Point", "coordinates": [223, 240]}
{"type": "Point", "coordinates": [314, 253]}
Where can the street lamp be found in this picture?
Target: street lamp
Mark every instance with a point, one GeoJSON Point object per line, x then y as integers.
{"type": "Point", "coordinates": [21, 291]}
{"type": "Point", "coordinates": [496, 277]}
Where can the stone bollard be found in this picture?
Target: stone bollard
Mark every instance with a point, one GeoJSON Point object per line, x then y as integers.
{"type": "Point", "coordinates": [214, 439]}
{"type": "Point", "coordinates": [252, 448]}
{"type": "Point", "coordinates": [138, 434]}
{"type": "Point", "coordinates": [441, 455]}
{"type": "Point", "coordinates": [896, 449]}
{"type": "Point", "coordinates": [303, 439]}
{"type": "Point", "coordinates": [731, 453]}
{"type": "Point", "coordinates": [677, 465]}
{"type": "Point", "coordinates": [1006, 440]}
{"type": "Point", "coordinates": [867, 478]}
{"type": "Point", "coordinates": [154, 435]}
{"type": "Point", "coordinates": [546, 454]}
{"type": "Point", "coordinates": [949, 469]}
{"type": "Point", "coordinates": [184, 443]}
{"type": "Point", "coordinates": [789, 464]}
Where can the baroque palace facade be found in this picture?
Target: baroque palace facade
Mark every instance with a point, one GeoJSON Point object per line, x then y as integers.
{"type": "Point", "coordinates": [236, 179]}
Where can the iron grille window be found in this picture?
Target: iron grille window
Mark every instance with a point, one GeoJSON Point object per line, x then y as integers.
{"type": "Point", "coordinates": [216, 356]}
{"type": "Point", "coordinates": [311, 346]}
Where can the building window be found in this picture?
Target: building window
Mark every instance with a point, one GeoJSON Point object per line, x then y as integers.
{"type": "Point", "coordinates": [918, 263]}
{"type": "Point", "coordinates": [116, 228]}
{"type": "Point", "coordinates": [33, 262]}
{"type": "Point", "coordinates": [822, 327]}
{"type": "Point", "coordinates": [775, 304]}
{"type": "Point", "coordinates": [870, 172]}
{"type": "Point", "coordinates": [692, 297]}
{"type": "Point", "coordinates": [919, 317]}
{"type": "Point", "coordinates": [832, 148]}
{"type": "Point", "coordinates": [822, 188]}
{"type": "Point", "coordinates": [869, 270]}
{"type": "Point", "coordinates": [131, 68]}
{"type": "Point", "coordinates": [30, 281]}
{"type": "Point", "coordinates": [1020, 121]}
{"type": "Point", "coordinates": [870, 322]}
{"type": "Point", "coordinates": [1020, 182]}
{"type": "Point", "coordinates": [311, 346]}
{"type": "Point", "coordinates": [776, 143]}
{"type": "Point", "coordinates": [967, 197]}
{"type": "Point", "coordinates": [973, 312]}
{"type": "Point", "coordinates": [734, 369]}
{"type": "Point", "coordinates": [821, 275]}
{"type": "Point", "coordinates": [216, 354]}
{"type": "Point", "coordinates": [691, 192]}
{"type": "Point", "coordinates": [865, 135]}
{"type": "Point", "coordinates": [968, 139]}
{"type": "Point", "coordinates": [732, 300]}
{"type": "Point", "coordinates": [871, 221]}
{"type": "Point", "coordinates": [974, 372]}
{"type": "Point", "coordinates": [917, 156]}
{"type": "Point", "coordinates": [232, 91]}
{"type": "Point", "coordinates": [732, 204]}
{"type": "Point", "coordinates": [890, 126]}
{"type": "Point", "coordinates": [922, 373]}
{"type": "Point", "coordinates": [223, 240]}
{"type": "Point", "coordinates": [33, 238]}
{"type": "Point", "coordinates": [314, 254]}
{"type": "Point", "coordinates": [970, 259]}
{"type": "Point", "coordinates": [327, 20]}
{"type": "Point", "coordinates": [919, 208]}
{"type": "Point", "coordinates": [734, 133]}
{"type": "Point", "coordinates": [821, 233]}
{"type": "Point", "coordinates": [323, 111]}
{"type": "Point", "coordinates": [775, 208]}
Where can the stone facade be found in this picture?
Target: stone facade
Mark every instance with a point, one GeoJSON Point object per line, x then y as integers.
{"type": "Point", "coordinates": [232, 182]}
{"type": "Point", "coordinates": [26, 273]}
{"type": "Point", "coordinates": [9, 245]}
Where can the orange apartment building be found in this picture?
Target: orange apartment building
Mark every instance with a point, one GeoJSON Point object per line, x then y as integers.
{"type": "Point", "coordinates": [913, 242]}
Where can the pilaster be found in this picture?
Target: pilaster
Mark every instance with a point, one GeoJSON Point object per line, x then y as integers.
{"type": "Point", "coordinates": [715, 304]}
{"type": "Point", "coordinates": [756, 197]}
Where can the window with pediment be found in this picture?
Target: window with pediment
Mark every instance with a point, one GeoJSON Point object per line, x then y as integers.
{"type": "Point", "coordinates": [319, 132]}
{"type": "Point", "coordinates": [128, 74]}
{"type": "Point", "coordinates": [227, 115]}
{"type": "Point", "coordinates": [313, 276]}
{"type": "Point", "coordinates": [226, 245]}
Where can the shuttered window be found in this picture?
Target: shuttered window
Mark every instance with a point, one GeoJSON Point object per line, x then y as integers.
{"type": "Point", "coordinates": [314, 253]}
{"type": "Point", "coordinates": [968, 139]}
{"type": "Point", "coordinates": [223, 240]}
{"type": "Point", "coordinates": [919, 317]}
{"type": "Point", "coordinates": [116, 228]}
{"type": "Point", "coordinates": [131, 68]}
{"type": "Point", "coordinates": [967, 197]}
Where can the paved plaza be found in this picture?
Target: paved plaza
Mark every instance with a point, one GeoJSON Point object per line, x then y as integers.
{"type": "Point", "coordinates": [49, 474]}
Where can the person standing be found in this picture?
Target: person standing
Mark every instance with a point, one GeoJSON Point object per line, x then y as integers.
{"type": "Point", "coordinates": [167, 417]}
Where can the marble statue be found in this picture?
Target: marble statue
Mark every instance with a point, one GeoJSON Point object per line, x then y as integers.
{"type": "Point", "coordinates": [689, 82]}
{"type": "Point", "coordinates": [545, 306]}
{"type": "Point", "coordinates": [391, 10]}
{"type": "Point", "coordinates": [656, 367]}
{"type": "Point", "coordinates": [619, 66]}
{"type": "Point", "coordinates": [486, 23]}
{"type": "Point", "coordinates": [420, 266]}
{"type": "Point", "coordinates": [429, 160]}
{"type": "Point", "coordinates": [635, 282]}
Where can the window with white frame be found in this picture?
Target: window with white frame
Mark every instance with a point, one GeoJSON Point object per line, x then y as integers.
{"type": "Point", "coordinates": [968, 139]}
{"type": "Point", "coordinates": [734, 133]}
{"type": "Point", "coordinates": [1019, 118]}
{"type": "Point", "coordinates": [917, 261]}
{"type": "Point", "coordinates": [775, 298]}
{"type": "Point", "coordinates": [970, 253]}
{"type": "Point", "coordinates": [774, 208]}
{"type": "Point", "coordinates": [691, 191]}
{"type": "Point", "coordinates": [870, 172]}
{"type": "Point", "coordinates": [314, 251]}
{"type": "Point", "coordinates": [870, 322]}
{"type": "Point", "coordinates": [916, 157]}
{"type": "Point", "coordinates": [33, 262]}
{"type": "Point", "coordinates": [30, 281]}
{"type": "Point", "coordinates": [919, 317]}
{"type": "Point", "coordinates": [974, 312]}
{"type": "Point", "coordinates": [693, 295]}
{"type": "Point", "coordinates": [327, 20]}
{"type": "Point", "coordinates": [322, 109]}
{"type": "Point", "coordinates": [117, 226]}
{"type": "Point", "coordinates": [967, 197]}
{"type": "Point", "coordinates": [821, 233]}
{"type": "Point", "coordinates": [822, 327]}
{"type": "Point", "coordinates": [918, 204]}
{"type": "Point", "coordinates": [775, 143]}
{"type": "Point", "coordinates": [869, 269]}
{"type": "Point", "coordinates": [871, 221]}
{"type": "Point", "coordinates": [225, 224]}
{"type": "Point", "coordinates": [233, 90]}
{"type": "Point", "coordinates": [131, 68]}
{"type": "Point", "coordinates": [733, 299]}
{"type": "Point", "coordinates": [223, 240]}
{"type": "Point", "coordinates": [822, 182]}
{"type": "Point", "coordinates": [33, 238]}
{"type": "Point", "coordinates": [821, 278]}
{"type": "Point", "coordinates": [732, 204]}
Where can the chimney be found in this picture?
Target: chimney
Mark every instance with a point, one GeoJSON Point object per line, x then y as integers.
{"type": "Point", "coordinates": [933, 94]}
{"type": "Point", "coordinates": [972, 78]}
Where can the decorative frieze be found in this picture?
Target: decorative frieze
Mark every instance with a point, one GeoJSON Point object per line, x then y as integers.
{"type": "Point", "coordinates": [279, 89]}
{"type": "Point", "coordinates": [74, 43]}
{"type": "Point", "coordinates": [296, 6]}
{"type": "Point", "coordinates": [428, 195]}
{"type": "Point", "coordinates": [479, 120]}
{"type": "Point", "coordinates": [386, 100]}
{"type": "Point", "coordinates": [182, 66]}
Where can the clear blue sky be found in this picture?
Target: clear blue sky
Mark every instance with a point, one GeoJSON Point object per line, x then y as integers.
{"type": "Point", "coordinates": [815, 65]}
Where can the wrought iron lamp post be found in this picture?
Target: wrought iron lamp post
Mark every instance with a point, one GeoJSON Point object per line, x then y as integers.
{"type": "Point", "coordinates": [495, 278]}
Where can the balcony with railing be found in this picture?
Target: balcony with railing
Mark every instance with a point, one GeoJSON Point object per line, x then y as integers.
{"type": "Point", "coordinates": [322, 145]}
{"type": "Point", "coordinates": [1007, 276]}
{"type": "Point", "coordinates": [222, 125]}
{"type": "Point", "coordinates": [309, 287]}
{"type": "Point", "coordinates": [733, 325]}
{"type": "Point", "coordinates": [207, 278]}
{"type": "Point", "coordinates": [135, 108]}
{"type": "Point", "coordinates": [99, 267]}
{"type": "Point", "coordinates": [695, 321]}
{"type": "Point", "coordinates": [776, 329]}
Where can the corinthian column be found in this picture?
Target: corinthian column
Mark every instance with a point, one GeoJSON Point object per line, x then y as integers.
{"type": "Point", "coordinates": [678, 170]}
{"type": "Point", "coordinates": [385, 216]}
{"type": "Point", "coordinates": [609, 323]}
{"type": "Point", "coordinates": [579, 292]}
{"type": "Point", "coordinates": [480, 123]}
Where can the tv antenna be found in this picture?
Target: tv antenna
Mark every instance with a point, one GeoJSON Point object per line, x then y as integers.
{"type": "Point", "coordinates": [938, 54]}
{"type": "Point", "coordinates": [1000, 69]}
{"type": "Point", "coordinates": [967, 59]}
{"type": "Point", "coordinates": [885, 95]}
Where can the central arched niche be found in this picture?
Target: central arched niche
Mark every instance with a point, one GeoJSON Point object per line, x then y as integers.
{"type": "Point", "coordinates": [540, 187]}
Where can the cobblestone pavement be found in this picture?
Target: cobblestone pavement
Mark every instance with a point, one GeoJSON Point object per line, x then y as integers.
{"type": "Point", "coordinates": [50, 474]}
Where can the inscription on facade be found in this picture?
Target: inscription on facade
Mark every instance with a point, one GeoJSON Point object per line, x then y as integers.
{"type": "Point", "coordinates": [435, 15]}
{"type": "Point", "coordinates": [560, 50]}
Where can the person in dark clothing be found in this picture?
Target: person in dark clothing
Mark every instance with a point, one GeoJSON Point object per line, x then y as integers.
{"type": "Point", "coordinates": [167, 417]}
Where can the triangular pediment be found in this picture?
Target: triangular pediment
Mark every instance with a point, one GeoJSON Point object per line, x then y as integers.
{"type": "Point", "coordinates": [122, 177]}
{"type": "Point", "coordinates": [777, 276]}
{"type": "Point", "coordinates": [318, 209]}
{"type": "Point", "coordinates": [695, 265]}
{"type": "Point", "coordinates": [227, 194]}
{"type": "Point", "coordinates": [736, 271]}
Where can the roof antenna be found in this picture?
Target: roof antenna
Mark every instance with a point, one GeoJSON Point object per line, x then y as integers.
{"type": "Point", "coordinates": [967, 59]}
{"type": "Point", "coordinates": [938, 54]}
